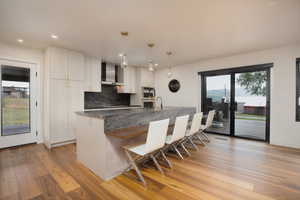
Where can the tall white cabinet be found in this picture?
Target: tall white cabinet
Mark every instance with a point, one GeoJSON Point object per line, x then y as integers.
{"type": "Point", "coordinates": [63, 94]}
{"type": "Point", "coordinates": [143, 78]}
{"type": "Point", "coordinates": [93, 74]}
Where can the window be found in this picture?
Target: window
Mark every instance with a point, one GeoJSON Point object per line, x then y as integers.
{"type": "Point", "coordinates": [298, 91]}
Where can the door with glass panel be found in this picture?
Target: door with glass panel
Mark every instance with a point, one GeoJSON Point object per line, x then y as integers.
{"type": "Point", "coordinates": [241, 98]}
{"type": "Point", "coordinates": [251, 97]}
{"type": "Point", "coordinates": [217, 97]}
{"type": "Point", "coordinates": [18, 103]}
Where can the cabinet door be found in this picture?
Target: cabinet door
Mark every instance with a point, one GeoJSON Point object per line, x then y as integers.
{"type": "Point", "coordinates": [58, 63]}
{"type": "Point", "coordinates": [76, 66]}
{"type": "Point", "coordinates": [132, 76]}
{"type": "Point", "coordinates": [147, 78]}
{"type": "Point", "coordinates": [76, 103]}
{"type": "Point", "coordinates": [93, 75]}
{"type": "Point", "coordinates": [126, 80]}
{"type": "Point", "coordinates": [59, 111]}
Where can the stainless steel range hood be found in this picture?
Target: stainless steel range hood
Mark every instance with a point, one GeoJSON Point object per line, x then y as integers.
{"type": "Point", "coordinates": [112, 74]}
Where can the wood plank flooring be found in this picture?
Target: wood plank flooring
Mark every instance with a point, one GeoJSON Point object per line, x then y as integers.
{"type": "Point", "coordinates": [224, 169]}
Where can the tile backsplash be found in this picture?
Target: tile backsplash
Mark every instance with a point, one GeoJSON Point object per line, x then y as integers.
{"type": "Point", "coordinates": [108, 97]}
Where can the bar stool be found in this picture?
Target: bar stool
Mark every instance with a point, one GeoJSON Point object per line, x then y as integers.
{"type": "Point", "coordinates": [156, 137]}
{"type": "Point", "coordinates": [195, 127]}
{"type": "Point", "coordinates": [208, 124]}
{"type": "Point", "coordinates": [177, 135]}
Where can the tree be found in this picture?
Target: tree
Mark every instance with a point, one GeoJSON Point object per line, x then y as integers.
{"type": "Point", "coordinates": [254, 82]}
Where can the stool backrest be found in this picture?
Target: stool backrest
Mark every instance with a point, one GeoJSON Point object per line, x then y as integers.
{"type": "Point", "coordinates": [210, 118]}
{"type": "Point", "coordinates": [180, 128]}
{"type": "Point", "coordinates": [157, 133]}
{"type": "Point", "coordinates": [196, 123]}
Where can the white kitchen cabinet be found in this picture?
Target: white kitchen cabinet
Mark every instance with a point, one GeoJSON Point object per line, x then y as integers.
{"type": "Point", "coordinates": [75, 104]}
{"type": "Point", "coordinates": [65, 64]}
{"type": "Point", "coordinates": [58, 59]}
{"type": "Point", "coordinates": [143, 78]}
{"type": "Point", "coordinates": [93, 74]}
{"type": "Point", "coordinates": [146, 78]}
{"type": "Point", "coordinates": [129, 80]}
{"type": "Point", "coordinates": [76, 66]}
{"type": "Point", "coordinates": [58, 113]}
{"type": "Point", "coordinates": [67, 97]}
{"type": "Point", "coordinates": [63, 94]}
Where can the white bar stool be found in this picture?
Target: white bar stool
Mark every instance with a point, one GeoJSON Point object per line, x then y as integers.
{"type": "Point", "coordinates": [156, 137]}
{"type": "Point", "coordinates": [195, 128]}
{"type": "Point", "coordinates": [178, 134]}
{"type": "Point", "coordinates": [208, 124]}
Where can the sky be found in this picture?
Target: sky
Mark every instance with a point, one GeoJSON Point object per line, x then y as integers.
{"type": "Point", "coordinates": [218, 82]}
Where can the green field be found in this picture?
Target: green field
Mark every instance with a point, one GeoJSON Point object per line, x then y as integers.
{"type": "Point", "coordinates": [15, 111]}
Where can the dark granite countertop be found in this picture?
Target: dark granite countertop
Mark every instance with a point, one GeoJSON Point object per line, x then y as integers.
{"type": "Point", "coordinates": [117, 119]}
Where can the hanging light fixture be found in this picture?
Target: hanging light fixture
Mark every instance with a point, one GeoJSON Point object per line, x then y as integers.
{"type": "Point", "coordinates": [151, 64]}
{"type": "Point", "coordinates": [124, 62]}
{"type": "Point", "coordinates": [123, 56]}
{"type": "Point", "coordinates": [170, 74]}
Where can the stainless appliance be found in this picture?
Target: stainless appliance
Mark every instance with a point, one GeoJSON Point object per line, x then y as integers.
{"type": "Point", "coordinates": [111, 74]}
{"type": "Point", "coordinates": [149, 96]}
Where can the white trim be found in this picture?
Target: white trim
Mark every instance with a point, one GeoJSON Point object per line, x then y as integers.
{"type": "Point", "coordinates": [57, 144]}
{"type": "Point", "coordinates": [38, 114]}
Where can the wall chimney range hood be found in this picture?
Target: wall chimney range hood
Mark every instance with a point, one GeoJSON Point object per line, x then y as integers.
{"type": "Point", "coordinates": [111, 74]}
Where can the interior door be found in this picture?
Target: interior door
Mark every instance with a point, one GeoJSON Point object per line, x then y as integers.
{"type": "Point", "coordinates": [18, 103]}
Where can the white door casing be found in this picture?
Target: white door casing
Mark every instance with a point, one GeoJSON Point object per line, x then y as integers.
{"type": "Point", "coordinates": [26, 138]}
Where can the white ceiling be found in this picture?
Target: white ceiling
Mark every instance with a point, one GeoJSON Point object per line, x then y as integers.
{"type": "Point", "coordinates": [192, 29]}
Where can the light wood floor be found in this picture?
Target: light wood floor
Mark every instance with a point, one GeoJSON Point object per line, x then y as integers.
{"type": "Point", "coordinates": [224, 169]}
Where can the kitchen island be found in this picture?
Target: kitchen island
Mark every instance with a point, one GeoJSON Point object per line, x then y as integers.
{"type": "Point", "coordinates": [101, 134]}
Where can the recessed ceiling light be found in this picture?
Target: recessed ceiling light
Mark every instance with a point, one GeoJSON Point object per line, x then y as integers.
{"type": "Point", "coordinates": [155, 64]}
{"type": "Point", "coordinates": [53, 36]}
{"type": "Point", "coordinates": [20, 40]}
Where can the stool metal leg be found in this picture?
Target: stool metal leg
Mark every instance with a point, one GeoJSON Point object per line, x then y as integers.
{"type": "Point", "coordinates": [156, 164]}
{"type": "Point", "coordinates": [177, 151]}
{"type": "Point", "coordinates": [193, 144]}
{"type": "Point", "coordinates": [205, 136]}
{"type": "Point", "coordinates": [200, 139]}
{"type": "Point", "coordinates": [166, 159]}
{"type": "Point", "coordinates": [186, 151]}
{"type": "Point", "coordinates": [133, 164]}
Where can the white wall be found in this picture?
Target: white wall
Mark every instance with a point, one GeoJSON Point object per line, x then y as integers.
{"type": "Point", "coordinates": [284, 130]}
{"type": "Point", "coordinates": [18, 53]}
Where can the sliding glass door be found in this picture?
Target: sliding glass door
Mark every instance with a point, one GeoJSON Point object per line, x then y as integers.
{"type": "Point", "coordinates": [218, 89]}
{"type": "Point", "coordinates": [251, 101]}
{"type": "Point", "coordinates": [241, 98]}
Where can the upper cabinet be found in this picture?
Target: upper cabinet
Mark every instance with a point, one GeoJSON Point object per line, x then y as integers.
{"type": "Point", "coordinates": [146, 77]}
{"type": "Point", "coordinates": [129, 74]}
{"type": "Point", "coordinates": [58, 63]}
{"type": "Point", "coordinates": [93, 74]}
{"type": "Point", "coordinates": [65, 64]}
{"type": "Point", "coordinates": [75, 66]}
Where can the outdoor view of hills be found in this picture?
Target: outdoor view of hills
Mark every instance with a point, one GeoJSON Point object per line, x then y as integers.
{"type": "Point", "coordinates": [217, 95]}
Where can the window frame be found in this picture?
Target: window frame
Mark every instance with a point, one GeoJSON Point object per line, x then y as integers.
{"type": "Point", "coordinates": [297, 89]}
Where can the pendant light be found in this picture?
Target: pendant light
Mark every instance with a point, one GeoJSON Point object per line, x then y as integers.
{"type": "Point", "coordinates": [151, 64]}
{"type": "Point", "coordinates": [123, 56]}
{"type": "Point", "coordinates": [170, 74]}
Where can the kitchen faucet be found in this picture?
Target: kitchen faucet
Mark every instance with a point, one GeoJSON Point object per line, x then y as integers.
{"type": "Point", "coordinates": [161, 102]}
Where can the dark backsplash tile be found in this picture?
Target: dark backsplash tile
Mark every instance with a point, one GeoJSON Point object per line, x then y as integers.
{"type": "Point", "coordinates": [108, 97]}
